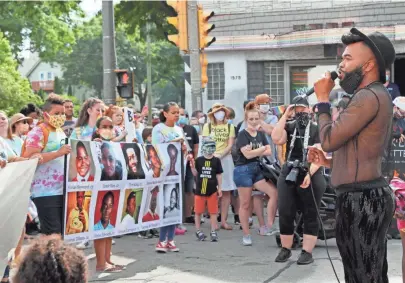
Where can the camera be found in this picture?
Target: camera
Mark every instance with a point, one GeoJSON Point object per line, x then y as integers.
{"type": "Point", "coordinates": [295, 167]}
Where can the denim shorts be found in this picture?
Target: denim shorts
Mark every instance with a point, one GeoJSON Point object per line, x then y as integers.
{"type": "Point", "coordinates": [245, 176]}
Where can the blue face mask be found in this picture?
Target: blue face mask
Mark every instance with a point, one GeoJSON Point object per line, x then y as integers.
{"type": "Point", "coordinates": [230, 121]}
{"type": "Point", "coordinates": [197, 128]}
{"type": "Point", "coordinates": [182, 121]}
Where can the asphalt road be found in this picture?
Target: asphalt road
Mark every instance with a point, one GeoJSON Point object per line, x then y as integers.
{"type": "Point", "coordinates": [226, 261]}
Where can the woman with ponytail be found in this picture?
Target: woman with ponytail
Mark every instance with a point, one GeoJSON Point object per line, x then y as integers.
{"type": "Point", "coordinates": [251, 145]}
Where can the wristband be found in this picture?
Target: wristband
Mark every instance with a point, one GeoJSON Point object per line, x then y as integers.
{"type": "Point", "coordinates": [323, 107]}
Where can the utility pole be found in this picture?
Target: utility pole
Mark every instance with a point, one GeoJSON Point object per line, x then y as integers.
{"type": "Point", "coordinates": [149, 75]}
{"type": "Point", "coordinates": [109, 56]}
{"type": "Point", "coordinates": [195, 68]}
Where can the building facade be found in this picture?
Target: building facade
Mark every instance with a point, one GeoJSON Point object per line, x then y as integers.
{"type": "Point", "coordinates": [281, 47]}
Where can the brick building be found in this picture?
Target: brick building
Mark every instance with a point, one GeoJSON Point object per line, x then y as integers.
{"type": "Point", "coordinates": [281, 47]}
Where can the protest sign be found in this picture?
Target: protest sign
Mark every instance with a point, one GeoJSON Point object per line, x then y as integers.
{"type": "Point", "coordinates": [15, 185]}
{"type": "Point", "coordinates": [129, 124]}
{"type": "Point", "coordinates": [119, 188]}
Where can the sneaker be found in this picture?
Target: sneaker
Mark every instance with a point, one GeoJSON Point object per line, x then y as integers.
{"type": "Point", "coordinates": [161, 247]}
{"type": "Point", "coordinates": [182, 227]}
{"type": "Point", "coordinates": [200, 235]}
{"type": "Point", "coordinates": [283, 255]}
{"type": "Point", "coordinates": [236, 219]}
{"type": "Point", "coordinates": [189, 220]}
{"type": "Point", "coordinates": [219, 218]}
{"type": "Point", "coordinates": [113, 242]}
{"type": "Point", "coordinates": [305, 258]}
{"type": "Point", "coordinates": [250, 224]}
{"type": "Point", "coordinates": [145, 235]}
{"type": "Point", "coordinates": [85, 245]}
{"type": "Point", "coordinates": [154, 233]}
{"type": "Point", "coordinates": [179, 231]}
{"type": "Point", "coordinates": [202, 219]}
{"type": "Point", "coordinates": [247, 240]}
{"type": "Point", "coordinates": [266, 231]}
{"type": "Point", "coordinates": [214, 236]}
{"type": "Point", "coordinates": [171, 246]}
{"type": "Point", "coordinates": [263, 231]}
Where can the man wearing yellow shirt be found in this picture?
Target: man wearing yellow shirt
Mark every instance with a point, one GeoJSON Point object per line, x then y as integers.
{"type": "Point", "coordinates": [78, 220]}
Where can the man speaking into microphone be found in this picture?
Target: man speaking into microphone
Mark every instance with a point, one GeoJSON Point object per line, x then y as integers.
{"type": "Point", "coordinates": [358, 139]}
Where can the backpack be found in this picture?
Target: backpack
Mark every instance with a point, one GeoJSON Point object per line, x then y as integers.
{"type": "Point", "coordinates": [45, 131]}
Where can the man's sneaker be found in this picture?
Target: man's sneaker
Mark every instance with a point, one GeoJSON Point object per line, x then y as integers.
{"type": "Point", "coordinates": [200, 235]}
{"type": "Point", "coordinates": [214, 236]}
{"type": "Point", "coordinates": [161, 247]}
{"type": "Point", "coordinates": [305, 258]}
{"type": "Point", "coordinates": [283, 255]}
{"type": "Point", "coordinates": [171, 246]}
{"type": "Point", "coordinates": [236, 219]}
{"type": "Point", "coordinates": [247, 240]}
{"type": "Point", "coordinates": [85, 245]}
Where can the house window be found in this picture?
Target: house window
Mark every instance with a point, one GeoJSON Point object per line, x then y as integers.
{"type": "Point", "coordinates": [274, 81]}
{"type": "Point", "coordinates": [50, 75]}
{"type": "Point", "coordinates": [216, 81]}
{"type": "Point", "coordinates": [41, 76]}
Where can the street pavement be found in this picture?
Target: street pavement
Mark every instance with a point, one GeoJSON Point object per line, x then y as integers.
{"type": "Point", "coordinates": [226, 261]}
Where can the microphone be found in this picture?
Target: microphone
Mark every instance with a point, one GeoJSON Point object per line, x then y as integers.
{"type": "Point", "coordinates": [333, 76]}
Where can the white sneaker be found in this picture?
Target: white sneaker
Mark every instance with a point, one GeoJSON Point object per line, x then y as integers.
{"type": "Point", "coordinates": [113, 242]}
{"type": "Point", "coordinates": [247, 240]}
{"type": "Point", "coordinates": [85, 245]}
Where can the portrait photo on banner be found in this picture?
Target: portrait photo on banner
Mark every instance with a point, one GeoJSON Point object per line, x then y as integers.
{"type": "Point", "coordinates": [151, 205]}
{"type": "Point", "coordinates": [153, 161]}
{"type": "Point", "coordinates": [171, 155]}
{"type": "Point", "coordinates": [77, 212]}
{"type": "Point", "coordinates": [131, 208]}
{"type": "Point", "coordinates": [112, 163]}
{"type": "Point", "coordinates": [81, 164]}
{"type": "Point", "coordinates": [133, 160]}
{"type": "Point", "coordinates": [171, 201]}
{"type": "Point", "coordinates": [105, 212]}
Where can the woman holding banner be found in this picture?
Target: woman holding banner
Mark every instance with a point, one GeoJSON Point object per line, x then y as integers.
{"type": "Point", "coordinates": [165, 132]}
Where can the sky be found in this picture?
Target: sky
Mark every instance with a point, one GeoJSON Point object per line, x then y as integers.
{"type": "Point", "coordinates": [91, 7]}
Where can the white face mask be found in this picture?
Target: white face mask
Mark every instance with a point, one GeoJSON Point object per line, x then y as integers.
{"type": "Point", "coordinates": [264, 108]}
{"type": "Point", "coordinates": [220, 115]}
{"type": "Point", "coordinates": [201, 120]}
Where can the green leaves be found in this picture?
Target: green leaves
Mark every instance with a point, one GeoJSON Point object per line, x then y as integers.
{"type": "Point", "coordinates": [45, 25]}
{"type": "Point", "coordinates": [15, 91]}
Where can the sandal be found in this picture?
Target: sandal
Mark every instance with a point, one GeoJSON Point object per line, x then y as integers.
{"type": "Point", "coordinates": [226, 227]}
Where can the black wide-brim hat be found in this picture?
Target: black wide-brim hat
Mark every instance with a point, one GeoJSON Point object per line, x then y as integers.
{"type": "Point", "coordinates": [382, 48]}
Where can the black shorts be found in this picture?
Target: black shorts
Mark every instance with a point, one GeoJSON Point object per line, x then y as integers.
{"type": "Point", "coordinates": [189, 180]}
{"type": "Point", "coordinates": [50, 214]}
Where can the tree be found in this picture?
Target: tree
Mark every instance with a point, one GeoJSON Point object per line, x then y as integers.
{"type": "Point", "coordinates": [46, 25]}
{"type": "Point", "coordinates": [84, 66]}
{"type": "Point", "coordinates": [70, 91]}
{"type": "Point", "coordinates": [15, 91]}
{"type": "Point", "coordinates": [57, 86]}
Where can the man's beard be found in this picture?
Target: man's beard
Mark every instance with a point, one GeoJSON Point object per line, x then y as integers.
{"type": "Point", "coordinates": [352, 80]}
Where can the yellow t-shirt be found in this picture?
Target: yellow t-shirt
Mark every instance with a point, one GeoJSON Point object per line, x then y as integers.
{"type": "Point", "coordinates": [220, 134]}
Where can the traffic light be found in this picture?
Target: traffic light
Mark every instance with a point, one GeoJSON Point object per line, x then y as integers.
{"type": "Point", "coordinates": [204, 28]}
{"type": "Point", "coordinates": [180, 23]}
{"type": "Point", "coordinates": [204, 66]}
{"type": "Point", "coordinates": [125, 83]}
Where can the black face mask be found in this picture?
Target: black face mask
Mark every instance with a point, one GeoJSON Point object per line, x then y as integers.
{"type": "Point", "coordinates": [302, 119]}
{"type": "Point", "coordinates": [352, 80]}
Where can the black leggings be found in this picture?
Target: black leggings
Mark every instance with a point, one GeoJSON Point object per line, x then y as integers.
{"type": "Point", "coordinates": [292, 197]}
{"type": "Point", "coordinates": [362, 222]}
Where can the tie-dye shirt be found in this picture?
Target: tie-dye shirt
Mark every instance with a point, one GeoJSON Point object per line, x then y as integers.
{"type": "Point", "coordinates": [84, 133]}
{"type": "Point", "coordinates": [164, 134]}
{"type": "Point", "coordinates": [48, 179]}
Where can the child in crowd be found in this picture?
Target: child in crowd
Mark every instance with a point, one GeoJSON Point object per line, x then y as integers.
{"type": "Point", "coordinates": [208, 170]}
{"type": "Point", "coordinates": [104, 132]}
{"type": "Point", "coordinates": [147, 135]}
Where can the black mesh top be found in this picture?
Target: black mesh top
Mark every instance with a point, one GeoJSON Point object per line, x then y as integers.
{"type": "Point", "coordinates": [360, 135]}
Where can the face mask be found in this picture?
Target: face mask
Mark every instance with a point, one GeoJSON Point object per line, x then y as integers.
{"type": "Point", "coordinates": [197, 128]}
{"type": "Point", "coordinates": [201, 120]}
{"type": "Point", "coordinates": [182, 121]}
{"type": "Point", "coordinates": [230, 122]}
{"type": "Point", "coordinates": [352, 80]}
{"type": "Point", "coordinates": [57, 121]}
{"type": "Point", "coordinates": [106, 134]}
{"type": "Point", "coordinates": [209, 148]}
{"type": "Point", "coordinates": [220, 115]}
{"type": "Point", "coordinates": [302, 119]}
{"type": "Point", "coordinates": [264, 108]}
{"type": "Point", "coordinates": [387, 78]}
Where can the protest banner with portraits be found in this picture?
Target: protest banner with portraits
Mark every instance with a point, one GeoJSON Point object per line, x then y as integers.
{"type": "Point", "coordinates": [119, 188]}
